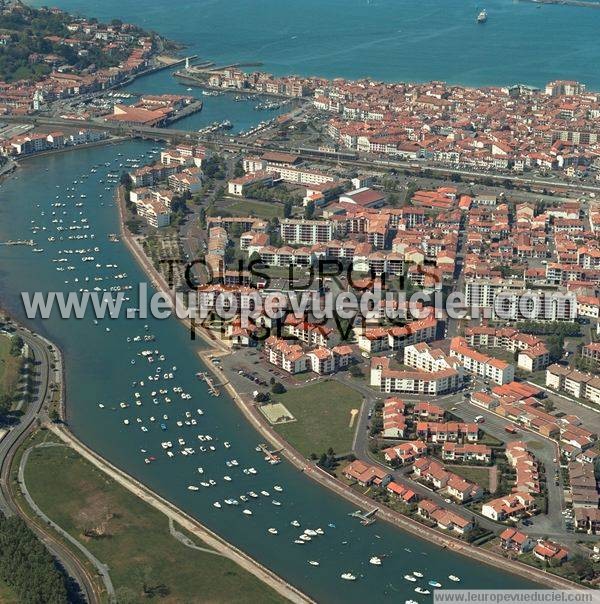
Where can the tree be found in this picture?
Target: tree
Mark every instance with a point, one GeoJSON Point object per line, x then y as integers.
{"type": "Point", "coordinates": [278, 388]}
{"type": "Point", "coordinates": [287, 209]}
{"type": "Point", "coordinates": [555, 345]}
{"type": "Point", "coordinates": [16, 345]}
{"type": "Point", "coordinates": [309, 210]}
{"type": "Point", "coordinates": [238, 169]}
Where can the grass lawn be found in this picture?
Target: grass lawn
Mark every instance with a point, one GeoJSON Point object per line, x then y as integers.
{"type": "Point", "coordinates": [477, 474]}
{"type": "Point", "coordinates": [261, 209]}
{"type": "Point", "coordinates": [9, 367]}
{"type": "Point", "coordinates": [322, 411]}
{"type": "Point", "coordinates": [132, 537]}
{"type": "Point", "coordinates": [7, 595]}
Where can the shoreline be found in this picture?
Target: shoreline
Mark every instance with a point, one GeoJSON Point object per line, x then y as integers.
{"type": "Point", "coordinates": [218, 348]}
{"type": "Point", "coordinates": [186, 521]}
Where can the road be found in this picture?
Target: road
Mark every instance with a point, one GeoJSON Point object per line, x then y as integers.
{"type": "Point", "coordinates": [545, 450]}
{"type": "Point", "coordinates": [37, 408]}
{"type": "Point", "coordinates": [100, 567]}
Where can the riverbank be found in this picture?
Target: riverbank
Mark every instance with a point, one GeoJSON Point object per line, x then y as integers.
{"type": "Point", "coordinates": [120, 533]}
{"type": "Point", "coordinates": [180, 517]}
{"type": "Point", "coordinates": [259, 423]}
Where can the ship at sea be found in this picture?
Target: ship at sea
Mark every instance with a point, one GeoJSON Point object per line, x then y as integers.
{"type": "Point", "coordinates": [482, 16]}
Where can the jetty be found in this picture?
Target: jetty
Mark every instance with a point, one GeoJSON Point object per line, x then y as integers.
{"type": "Point", "coordinates": [212, 387]}
{"type": "Point", "coordinates": [270, 455]}
{"type": "Point", "coordinates": [28, 242]}
{"type": "Point", "coordinates": [366, 518]}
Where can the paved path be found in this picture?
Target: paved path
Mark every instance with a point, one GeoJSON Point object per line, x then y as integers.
{"type": "Point", "coordinates": [184, 520]}
{"type": "Point", "coordinates": [187, 541]}
{"type": "Point", "coordinates": [44, 356]}
{"type": "Point", "coordinates": [100, 567]}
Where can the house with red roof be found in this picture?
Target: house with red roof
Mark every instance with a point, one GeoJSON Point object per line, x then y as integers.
{"type": "Point", "coordinates": [513, 540]}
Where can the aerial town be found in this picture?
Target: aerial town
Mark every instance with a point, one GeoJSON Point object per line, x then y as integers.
{"type": "Point", "coordinates": [461, 404]}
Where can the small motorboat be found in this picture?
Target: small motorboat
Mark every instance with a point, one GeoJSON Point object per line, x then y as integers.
{"type": "Point", "coordinates": [348, 577]}
{"type": "Point", "coordinates": [375, 561]}
{"type": "Point", "coordinates": [275, 502]}
{"type": "Point", "coordinates": [434, 583]}
{"type": "Point", "coordinates": [193, 488]}
{"type": "Point", "coordinates": [454, 578]}
{"type": "Point", "coordinates": [247, 512]}
{"type": "Point", "coordinates": [313, 563]}
{"type": "Point", "coordinates": [420, 590]}
{"type": "Point", "coordinates": [217, 504]}
{"type": "Point", "coordinates": [273, 531]}
{"type": "Point", "coordinates": [265, 493]}
{"type": "Point", "coordinates": [410, 578]}
{"type": "Point", "coordinates": [278, 488]}
{"type": "Point", "coordinates": [298, 542]}
{"type": "Point", "coordinates": [295, 523]}
{"type": "Point", "coordinates": [416, 573]}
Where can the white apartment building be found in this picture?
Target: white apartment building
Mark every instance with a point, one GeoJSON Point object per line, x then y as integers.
{"type": "Point", "coordinates": [511, 301]}
{"type": "Point", "coordinates": [306, 232]}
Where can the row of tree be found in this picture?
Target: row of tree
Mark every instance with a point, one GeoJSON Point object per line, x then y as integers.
{"type": "Point", "coordinates": [27, 566]}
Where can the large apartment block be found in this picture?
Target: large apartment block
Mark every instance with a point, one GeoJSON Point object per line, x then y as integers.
{"type": "Point", "coordinates": [306, 232]}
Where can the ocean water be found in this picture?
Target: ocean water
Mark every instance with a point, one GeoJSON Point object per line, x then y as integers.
{"type": "Point", "coordinates": [410, 40]}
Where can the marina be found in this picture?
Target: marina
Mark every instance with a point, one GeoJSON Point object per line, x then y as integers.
{"type": "Point", "coordinates": [158, 420]}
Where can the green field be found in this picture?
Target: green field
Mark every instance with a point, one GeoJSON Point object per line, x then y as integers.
{"type": "Point", "coordinates": [9, 368]}
{"type": "Point", "coordinates": [322, 411]}
{"type": "Point", "coordinates": [7, 595]}
{"type": "Point", "coordinates": [260, 209]}
{"type": "Point", "coordinates": [477, 474]}
{"type": "Point", "coordinates": [146, 563]}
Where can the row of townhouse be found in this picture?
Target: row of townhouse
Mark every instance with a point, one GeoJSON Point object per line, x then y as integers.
{"type": "Point", "coordinates": [527, 478]}
{"type": "Point", "coordinates": [496, 370]}
{"type": "Point", "coordinates": [509, 507]}
{"type": "Point", "coordinates": [576, 383]}
{"type": "Point", "coordinates": [588, 307]}
{"type": "Point", "coordinates": [366, 474]}
{"type": "Point", "coordinates": [441, 432]}
{"type": "Point", "coordinates": [292, 358]}
{"type": "Point", "coordinates": [524, 409]}
{"type": "Point", "coordinates": [443, 518]}
{"type": "Point", "coordinates": [514, 541]}
{"type": "Point", "coordinates": [532, 353]}
{"type": "Point", "coordinates": [585, 490]}
{"type": "Point", "coordinates": [379, 339]}
{"type": "Point", "coordinates": [394, 418]}
{"type": "Point", "coordinates": [389, 380]}
{"type": "Point", "coordinates": [184, 155]}
{"type": "Point", "coordinates": [466, 453]}
{"type": "Point", "coordinates": [405, 453]}
{"type": "Point", "coordinates": [433, 473]}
